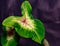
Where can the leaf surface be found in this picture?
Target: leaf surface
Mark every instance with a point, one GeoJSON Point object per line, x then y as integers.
{"type": "Point", "coordinates": [26, 26]}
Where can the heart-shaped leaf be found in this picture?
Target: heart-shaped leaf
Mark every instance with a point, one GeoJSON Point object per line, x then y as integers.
{"type": "Point", "coordinates": [26, 26]}
{"type": "Point", "coordinates": [33, 29]}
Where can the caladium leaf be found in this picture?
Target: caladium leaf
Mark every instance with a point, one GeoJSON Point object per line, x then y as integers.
{"type": "Point", "coordinates": [8, 22]}
{"type": "Point", "coordinates": [29, 28]}
{"type": "Point", "coordinates": [8, 40]}
{"type": "Point", "coordinates": [33, 29]}
{"type": "Point", "coordinates": [26, 26]}
{"type": "Point", "coordinates": [26, 9]}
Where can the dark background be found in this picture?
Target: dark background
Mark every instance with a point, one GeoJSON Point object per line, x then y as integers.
{"type": "Point", "coordinates": [48, 11]}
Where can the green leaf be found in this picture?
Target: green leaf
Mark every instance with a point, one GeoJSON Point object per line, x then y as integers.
{"type": "Point", "coordinates": [7, 41]}
{"type": "Point", "coordinates": [26, 9]}
{"type": "Point", "coordinates": [26, 26]}
{"type": "Point", "coordinates": [8, 21]}
{"type": "Point", "coordinates": [34, 30]}
{"type": "Point", "coordinates": [11, 42]}
{"type": "Point", "coordinates": [39, 31]}
{"type": "Point", "coordinates": [26, 6]}
{"type": "Point", "coordinates": [4, 38]}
